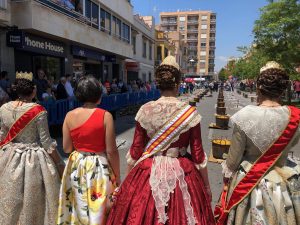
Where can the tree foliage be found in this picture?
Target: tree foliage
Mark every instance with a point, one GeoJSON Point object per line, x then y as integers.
{"type": "Point", "coordinates": [277, 33]}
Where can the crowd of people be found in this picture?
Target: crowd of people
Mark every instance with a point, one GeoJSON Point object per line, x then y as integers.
{"type": "Point", "coordinates": [165, 183]}
{"type": "Point", "coordinates": [50, 90]}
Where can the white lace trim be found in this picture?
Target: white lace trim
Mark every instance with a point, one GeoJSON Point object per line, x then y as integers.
{"type": "Point", "coordinates": [262, 125]}
{"type": "Point", "coordinates": [165, 172]}
{"type": "Point", "coordinates": [227, 173]}
{"type": "Point", "coordinates": [130, 160]}
{"type": "Point", "coordinates": [203, 164]}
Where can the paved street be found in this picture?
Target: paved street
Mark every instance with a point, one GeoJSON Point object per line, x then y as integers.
{"type": "Point", "coordinates": [125, 131]}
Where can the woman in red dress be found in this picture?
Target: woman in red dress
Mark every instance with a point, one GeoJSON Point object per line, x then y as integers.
{"type": "Point", "coordinates": [165, 184]}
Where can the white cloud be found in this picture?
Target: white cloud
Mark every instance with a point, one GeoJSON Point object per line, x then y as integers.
{"type": "Point", "coordinates": [222, 58]}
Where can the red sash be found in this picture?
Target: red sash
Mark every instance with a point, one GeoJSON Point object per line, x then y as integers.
{"type": "Point", "coordinates": [258, 170]}
{"type": "Point", "coordinates": [21, 123]}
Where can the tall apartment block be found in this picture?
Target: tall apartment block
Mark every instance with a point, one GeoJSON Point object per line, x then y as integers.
{"type": "Point", "coordinates": [198, 29]}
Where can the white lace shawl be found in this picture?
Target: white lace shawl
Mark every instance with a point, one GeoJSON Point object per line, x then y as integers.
{"type": "Point", "coordinates": [262, 125]}
{"type": "Point", "coordinates": [153, 115]}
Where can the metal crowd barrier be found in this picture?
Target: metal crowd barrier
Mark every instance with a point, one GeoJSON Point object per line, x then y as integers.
{"type": "Point", "coordinates": [57, 110]}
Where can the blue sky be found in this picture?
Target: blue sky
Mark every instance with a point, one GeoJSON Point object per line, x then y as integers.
{"type": "Point", "coordinates": [235, 20]}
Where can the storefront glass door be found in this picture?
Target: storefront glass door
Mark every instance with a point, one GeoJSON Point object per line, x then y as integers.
{"type": "Point", "coordinates": [51, 65]}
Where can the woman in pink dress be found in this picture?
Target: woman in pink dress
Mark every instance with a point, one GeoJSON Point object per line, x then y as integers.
{"type": "Point", "coordinates": [165, 184]}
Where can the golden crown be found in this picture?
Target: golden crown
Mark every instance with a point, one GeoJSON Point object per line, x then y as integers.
{"type": "Point", "coordinates": [27, 76]}
{"type": "Point", "coordinates": [271, 65]}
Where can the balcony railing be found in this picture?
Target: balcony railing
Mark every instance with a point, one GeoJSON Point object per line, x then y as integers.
{"type": "Point", "coordinates": [212, 30]}
{"type": "Point", "coordinates": [212, 56]}
{"type": "Point", "coordinates": [192, 39]}
{"type": "Point", "coordinates": [212, 39]}
{"type": "Point", "coordinates": [192, 47]}
{"type": "Point", "coordinates": [168, 22]}
{"type": "Point", "coordinates": [192, 31]}
{"type": "Point", "coordinates": [192, 21]}
{"type": "Point", "coordinates": [213, 21]}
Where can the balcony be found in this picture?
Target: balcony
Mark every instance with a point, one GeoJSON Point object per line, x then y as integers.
{"type": "Point", "coordinates": [192, 39]}
{"type": "Point", "coordinates": [213, 21]}
{"type": "Point", "coordinates": [169, 22]}
{"type": "Point", "coordinates": [212, 56]}
{"type": "Point", "coordinates": [213, 30]}
{"type": "Point", "coordinates": [212, 39]}
{"type": "Point", "coordinates": [193, 21]}
{"type": "Point", "coordinates": [193, 47]}
{"type": "Point", "coordinates": [193, 31]}
{"type": "Point", "coordinates": [66, 24]}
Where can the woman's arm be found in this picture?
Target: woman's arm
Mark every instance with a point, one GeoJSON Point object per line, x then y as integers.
{"type": "Point", "coordinates": [111, 146]}
{"type": "Point", "coordinates": [199, 157]}
{"type": "Point", "coordinates": [67, 140]}
{"type": "Point", "coordinates": [48, 143]}
{"type": "Point", "coordinates": [137, 147]}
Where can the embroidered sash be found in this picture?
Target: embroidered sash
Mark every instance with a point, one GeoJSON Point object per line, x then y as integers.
{"type": "Point", "coordinates": [21, 124]}
{"type": "Point", "coordinates": [258, 170]}
{"type": "Point", "coordinates": [169, 131]}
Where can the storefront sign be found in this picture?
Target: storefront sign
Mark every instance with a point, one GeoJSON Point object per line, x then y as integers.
{"type": "Point", "coordinates": [28, 42]}
{"type": "Point", "coordinates": [133, 66]}
{"type": "Point", "coordinates": [91, 54]}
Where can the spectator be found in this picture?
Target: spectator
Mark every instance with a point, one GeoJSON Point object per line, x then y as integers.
{"type": "Point", "coordinates": [61, 92]}
{"type": "Point", "coordinates": [135, 87]}
{"type": "Point", "coordinates": [41, 84]}
{"type": "Point", "coordinates": [48, 96]}
{"type": "Point", "coordinates": [104, 91]}
{"type": "Point", "coordinates": [114, 86]}
{"type": "Point", "coordinates": [4, 84]}
{"type": "Point", "coordinates": [107, 86]}
{"type": "Point", "coordinates": [297, 88]}
{"type": "Point", "coordinates": [148, 86]}
{"type": "Point", "coordinates": [68, 86]}
{"type": "Point", "coordinates": [129, 87]}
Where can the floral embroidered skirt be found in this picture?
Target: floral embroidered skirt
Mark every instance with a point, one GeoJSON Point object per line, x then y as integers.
{"type": "Point", "coordinates": [135, 204]}
{"type": "Point", "coordinates": [276, 200]}
{"type": "Point", "coordinates": [86, 191]}
{"type": "Point", "coordinates": [29, 186]}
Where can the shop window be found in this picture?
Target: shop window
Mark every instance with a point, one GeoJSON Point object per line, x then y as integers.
{"type": "Point", "coordinates": [126, 33]}
{"type": "Point", "coordinates": [105, 21]}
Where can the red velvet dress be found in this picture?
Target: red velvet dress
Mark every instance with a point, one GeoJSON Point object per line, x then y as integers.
{"type": "Point", "coordinates": [135, 204]}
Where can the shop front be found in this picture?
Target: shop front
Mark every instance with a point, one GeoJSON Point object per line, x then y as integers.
{"type": "Point", "coordinates": [132, 68]}
{"type": "Point", "coordinates": [32, 52]}
{"type": "Point", "coordinates": [91, 62]}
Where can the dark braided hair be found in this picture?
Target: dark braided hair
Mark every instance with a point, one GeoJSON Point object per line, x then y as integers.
{"type": "Point", "coordinates": [24, 87]}
{"type": "Point", "coordinates": [272, 83]}
{"type": "Point", "coordinates": [167, 77]}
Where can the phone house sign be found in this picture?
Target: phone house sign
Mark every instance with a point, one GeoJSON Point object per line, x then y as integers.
{"type": "Point", "coordinates": [28, 42]}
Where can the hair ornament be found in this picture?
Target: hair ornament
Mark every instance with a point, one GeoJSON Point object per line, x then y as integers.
{"type": "Point", "coordinates": [27, 76]}
{"type": "Point", "coordinates": [271, 65]}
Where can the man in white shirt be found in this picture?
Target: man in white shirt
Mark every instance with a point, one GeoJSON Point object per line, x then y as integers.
{"type": "Point", "coordinates": [68, 86]}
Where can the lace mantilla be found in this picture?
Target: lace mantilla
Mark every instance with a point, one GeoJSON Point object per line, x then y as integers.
{"type": "Point", "coordinates": [262, 125]}
{"type": "Point", "coordinates": [153, 115]}
{"type": "Point", "coordinates": [165, 172]}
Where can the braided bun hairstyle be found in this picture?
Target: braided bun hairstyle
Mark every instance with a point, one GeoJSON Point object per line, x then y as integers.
{"type": "Point", "coordinates": [24, 87]}
{"type": "Point", "coordinates": [273, 82]}
{"type": "Point", "coordinates": [167, 77]}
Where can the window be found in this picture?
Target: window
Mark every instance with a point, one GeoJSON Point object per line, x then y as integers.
{"type": "Point", "coordinates": [181, 28]}
{"type": "Point", "coordinates": [204, 17]}
{"type": "Point", "coordinates": [202, 70]}
{"type": "Point", "coordinates": [212, 44]}
{"type": "Point", "coordinates": [202, 61]}
{"type": "Point", "coordinates": [126, 32]}
{"type": "Point", "coordinates": [113, 25]}
{"type": "Point", "coordinates": [203, 53]}
{"type": "Point", "coordinates": [118, 28]}
{"type": "Point", "coordinates": [203, 35]}
{"type": "Point", "coordinates": [144, 49]}
{"type": "Point", "coordinates": [95, 15]}
{"type": "Point", "coordinates": [203, 44]}
{"type": "Point", "coordinates": [182, 18]}
{"type": "Point", "coordinates": [134, 44]}
{"type": "Point", "coordinates": [78, 6]}
{"type": "Point", "coordinates": [203, 26]}
{"type": "Point", "coordinates": [105, 21]}
{"type": "Point", "coordinates": [150, 51]}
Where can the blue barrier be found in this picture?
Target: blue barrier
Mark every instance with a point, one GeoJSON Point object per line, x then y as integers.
{"type": "Point", "coordinates": [58, 110]}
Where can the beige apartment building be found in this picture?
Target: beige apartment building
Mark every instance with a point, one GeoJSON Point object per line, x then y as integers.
{"type": "Point", "coordinates": [198, 30]}
{"type": "Point", "coordinates": [65, 36]}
